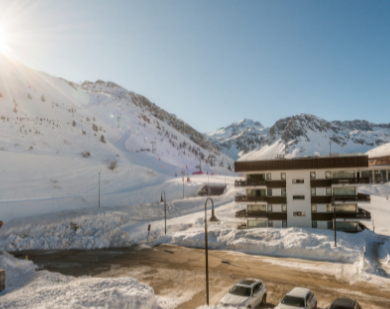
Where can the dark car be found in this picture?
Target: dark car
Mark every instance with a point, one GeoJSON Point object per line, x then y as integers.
{"type": "Point", "coordinates": [345, 303]}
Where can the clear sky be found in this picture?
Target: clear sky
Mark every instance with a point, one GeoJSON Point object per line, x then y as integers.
{"type": "Point", "coordinates": [214, 62]}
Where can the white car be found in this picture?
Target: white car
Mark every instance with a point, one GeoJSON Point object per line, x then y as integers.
{"type": "Point", "coordinates": [298, 298]}
{"type": "Point", "coordinates": [248, 293]}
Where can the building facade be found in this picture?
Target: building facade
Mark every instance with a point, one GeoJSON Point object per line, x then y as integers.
{"type": "Point", "coordinates": [304, 192]}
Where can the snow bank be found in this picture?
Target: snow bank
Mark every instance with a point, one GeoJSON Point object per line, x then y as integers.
{"type": "Point", "coordinates": [51, 290]}
{"type": "Point", "coordinates": [291, 242]}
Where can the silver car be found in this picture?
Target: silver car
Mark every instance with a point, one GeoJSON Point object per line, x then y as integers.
{"type": "Point", "coordinates": [298, 298]}
{"type": "Point", "coordinates": [248, 293]}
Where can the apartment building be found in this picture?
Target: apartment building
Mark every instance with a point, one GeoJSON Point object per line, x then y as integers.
{"type": "Point", "coordinates": [304, 192]}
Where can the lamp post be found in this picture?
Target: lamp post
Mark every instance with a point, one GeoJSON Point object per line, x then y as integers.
{"type": "Point", "coordinates": [212, 219]}
{"type": "Point", "coordinates": [334, 216]}
{"type": "Point", "coordinates": [165, 209]}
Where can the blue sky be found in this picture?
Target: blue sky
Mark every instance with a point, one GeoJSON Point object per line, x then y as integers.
{"type": "Point", "coordinates": [216, 62]}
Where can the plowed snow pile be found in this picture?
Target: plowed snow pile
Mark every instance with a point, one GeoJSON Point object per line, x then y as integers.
{"type": "Point", "coordinates": [26, 288]}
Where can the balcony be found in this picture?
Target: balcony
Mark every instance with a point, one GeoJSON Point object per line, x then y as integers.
{"type": "Point", "coordinates": [255, 183]}
{"type": "Point", "coordinates": [318, 183]}
{"type": "Point", "coordinates": [262, 214]}
{"type": "Point", "coordinates": [361, 214]}
{"type": "Point", "coordinates": [267, 199]}
{"type": "Point", "coordinates": [360, 198]}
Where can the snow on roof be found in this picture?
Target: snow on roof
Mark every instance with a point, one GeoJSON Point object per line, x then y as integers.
{"type": "Point", "coordinates": [380, 151]}
{"type": "Point", "coordinates": [298, 292]}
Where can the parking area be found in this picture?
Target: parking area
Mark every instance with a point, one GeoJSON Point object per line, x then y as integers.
{"type": "Point", "coordinates": [177, 274]}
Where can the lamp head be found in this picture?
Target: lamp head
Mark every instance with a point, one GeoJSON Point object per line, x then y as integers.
{"type": "Point", "coordinates": [162, 200]}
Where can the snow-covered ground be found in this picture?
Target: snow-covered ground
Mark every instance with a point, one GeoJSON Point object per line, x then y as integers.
{"type": "Point", "coordinates": [27, 288]}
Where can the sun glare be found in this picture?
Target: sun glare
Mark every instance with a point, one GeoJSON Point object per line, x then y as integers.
{"type": "Point", "coordinates": [3, 42]}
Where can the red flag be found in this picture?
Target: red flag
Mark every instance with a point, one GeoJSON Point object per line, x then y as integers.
{"type": "Point", "coordinates": [162, 165]}
{"type": "Point", "coordinates": [159, 159]}
{"type": "Point", "coordinates": [186, 167]}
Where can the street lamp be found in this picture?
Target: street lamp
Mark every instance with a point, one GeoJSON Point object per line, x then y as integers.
{"type": "Point", "coordinates": [212, 219]}
{"type": "Point", "coordinates": [165, 209]}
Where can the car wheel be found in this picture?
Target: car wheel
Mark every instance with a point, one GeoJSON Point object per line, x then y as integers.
{"type": "Point", "coordinates": [264, 300]}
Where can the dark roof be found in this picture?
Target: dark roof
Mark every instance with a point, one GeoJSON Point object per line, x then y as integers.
{"type": "Point", "coordinates": [302, 163]}
{"type": "Point", "coordinates": [346, 303]}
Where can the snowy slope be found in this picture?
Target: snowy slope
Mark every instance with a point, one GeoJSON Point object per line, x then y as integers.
{"type": "Point", "coordinates": [382, 150]}
{"type": "Point", "coordinates": [27, 288]}
{"type": "Point", "coordinates": [56, 136]}
{"type": "Point", "coordinates": [301, 135]}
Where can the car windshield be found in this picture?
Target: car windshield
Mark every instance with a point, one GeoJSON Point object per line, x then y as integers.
{"type": "Point", "coordinates": [293, 301]}
{"type": "Point", "coordinates": [240, 291]}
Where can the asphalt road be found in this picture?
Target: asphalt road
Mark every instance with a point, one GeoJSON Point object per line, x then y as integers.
{"type": "Point", "coordinates": [177, 274]}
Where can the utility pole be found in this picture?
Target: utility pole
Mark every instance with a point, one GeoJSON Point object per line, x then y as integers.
{"type": "Point", "coordinates": [99, 192]}
{"type": "Point", "coordinates": [330, 147]}
{"type": "Point", "coordinates": [335, 239]}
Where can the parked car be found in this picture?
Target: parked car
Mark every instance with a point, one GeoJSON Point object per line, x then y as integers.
{"type": "Point", "coordinates": [248, 293]}
{"type": "Point", "coordinates": [345, 303]}
{"type": "Point", "coordinates": [298, 298]}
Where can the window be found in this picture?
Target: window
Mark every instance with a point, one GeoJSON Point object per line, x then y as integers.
{"type": "Point", "coordinates": [344, 191]}
{"type": "Point", "coordinates": [283, 191]}
{"type": "Point", "coordinates": [314, 224]}
{"type": "Point", "coordinates": [313, 191]}
{"type": "Point", "coordinates": [270, 223]}
{"type": "Point", "coordinates": [328, 175]}
{"type": "Point", "coordinates": [346, 208]}
{"type": "Point", "coordinates": [268, 176]}
{"type": "Point", "coordinates": [312, 175]}
{"type": "Point", "coordinates": [269, 192]}
{"type": "Point", "coordinates": [344, 174]}
{"type": "Point", "coordinates": [299, 214]}
{"type": "Point", "coordinates": [284, 223]}
{"type": "Point", "coordinates": [307, 299]}
{"type": "Point", "coordinates": [256, 223]}
{"type": "Point", "coordinates": [269, 208]}
{"type": "Point", "coordinates": [256, 208]}
{"type": "Point", "coordinates": [328, 191]}
{"type": "Point", "coordinates": [330, 225]}
{"type": "Point", "coordinates": [283, 176]}
{"type": "Point", "coordinates": [284, 208]}
{"type": "Point", "coordinates": [329, 208]}
{"type": "Point", "coordinates": [298, 181]}
{"type": "Point", "coordinates": [256, 289]}
{"type": "Point", "coordinates": [313, 208]}
{"type": "Point", "coordinates": [298, 197]}
{"type": "Point", "coordinates": [255, 192]}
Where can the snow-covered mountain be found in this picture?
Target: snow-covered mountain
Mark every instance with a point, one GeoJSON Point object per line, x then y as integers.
{"type": "Point", "coordinates": [299, 135]}
{"type": "Point", "coordinates": [56, 135]}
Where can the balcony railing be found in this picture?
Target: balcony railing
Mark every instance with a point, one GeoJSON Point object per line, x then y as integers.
{"type": "Point", "coordinates": [337, 181]}
{"type": "Point", "coordinates": [327, 199]}
{"type": "Point", "coordinates": [255, 183]}
{"type": "Point", "coordinates": [361, 214]}
{"type": "Point", "coordinates": [268, 199]}
{"type": "Point", "coordinates": [249, 183]}
{"type": "Point", "coordinates": [261, 214]}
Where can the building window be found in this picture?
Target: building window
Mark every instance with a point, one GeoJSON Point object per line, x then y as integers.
{"type": "Point", "coordinates": [328, 191]}
{"type": "Point", "coordinates": [269, 192]}
{"type": "Point", "coordinates": [313, 208]}
{"type": "Point", "coordinates": [299, 214]}
{"type": "Point", "coordinates": [284, 208]}
{"type": "Point", "coordinates": [298, 181]}
{"type": "Point", "coordinates": [344, 174]}
{"type": "Point", "coordinates": [256, 208]}
{"type": "Point", "coordinates": [268, 176]}
{"type": "Point", "coordinates": [328, 175]}
{"type": "Point", "coordinates": [270, 224]}
{"type": "Point", "coordinates": [312, 175]}
{"type": "Point", "coordinates": [283, 191]}
{"type": "Point", "coordinates": [256, 223]}
{"type": "Point", "coordinates": [298, 197]}
{"type": "Point", "coordinates": [314, 224]}
{"type": "Point", "coordinates": [313, 191]}
{"type": "Point", "coordinates": [284, 223]}
{"type": "Point", "coordinates": [269, 208]}
{"type": "Point", "coordinates": [283, 176]}
{"type": "Point", "coordinates": [344, 191]}
{"type": "Point", "coordinates": [330, 225]}
{"type": "Point", "coordinates": [329, 208]}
